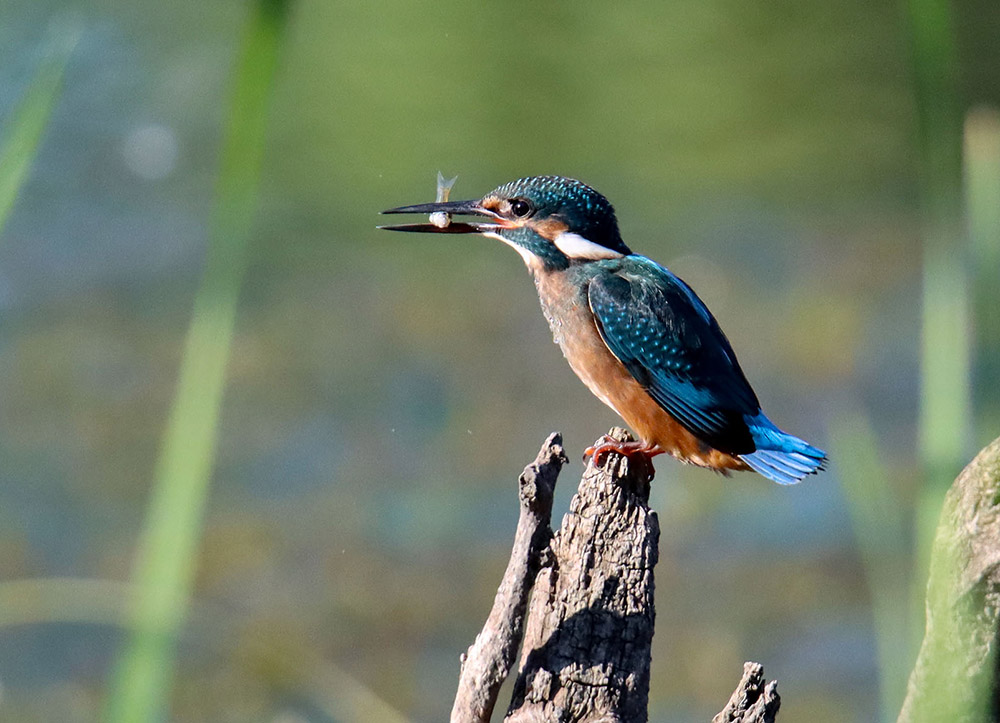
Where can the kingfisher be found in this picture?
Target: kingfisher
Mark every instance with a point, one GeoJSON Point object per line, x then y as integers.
{"type": "Point", "coordinates": [636, 334]}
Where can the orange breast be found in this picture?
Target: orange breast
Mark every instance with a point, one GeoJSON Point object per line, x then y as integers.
{"type": "Point", "coordinates": [576, 333]}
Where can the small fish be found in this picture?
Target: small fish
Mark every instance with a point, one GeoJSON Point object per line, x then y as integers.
{"type": "Point", "coordinates": [441, 219]}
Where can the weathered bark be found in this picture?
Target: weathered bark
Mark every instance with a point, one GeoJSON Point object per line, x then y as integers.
{"type": "Point", "coordinates": [754, 700]}
{"type": "Point", "coordinates": [955, 678]}
{"type": "Point", "coordinates": [586, 648]}
{"type": "Point", "coordinates": [589, 627]}
{"type": "Point", "coordinates": [489, 659]}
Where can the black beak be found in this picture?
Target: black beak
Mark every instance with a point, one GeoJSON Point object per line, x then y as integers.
{"type": "Point", "coordinates": [461, 208]}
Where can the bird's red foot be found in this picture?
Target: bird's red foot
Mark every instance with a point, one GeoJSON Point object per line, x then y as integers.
{"type": "Point", "coordinates": [642, 450]}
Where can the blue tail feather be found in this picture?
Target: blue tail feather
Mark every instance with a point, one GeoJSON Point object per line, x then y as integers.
{"type": "Point", "coordinates": [780, 456]}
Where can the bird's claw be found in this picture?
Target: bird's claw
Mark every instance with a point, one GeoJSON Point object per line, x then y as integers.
{"type": "Point", "coordinates": [607, 443]}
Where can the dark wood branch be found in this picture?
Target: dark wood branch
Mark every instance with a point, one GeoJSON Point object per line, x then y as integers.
{"type": "Point", "coordinates": [588, 627]}
{"type": "Point", "coordinates": [587, 642]}
{"type": "Point", "coordinates": [754, 700]}
{"type": "Point", "coordinates": [490, 658]}
{"type": "Point", "coordinates": [956, 677]}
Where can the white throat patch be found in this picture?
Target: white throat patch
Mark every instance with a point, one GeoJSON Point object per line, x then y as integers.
{"type": "Point", "coordinates": [530, 260]}
{"type": "Point", "coordinates": [576, 246]}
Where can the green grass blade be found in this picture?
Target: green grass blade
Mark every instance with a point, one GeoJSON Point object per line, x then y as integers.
{"type": "Point", "coordinates": [883, 541]}
{"type": "Point", "coordinates": [168, 549]}
{"type": "Point", "coordinates": [945, 393]}
{"type": "Point", "coordinates": [982, 183]}
{"type": "Point", "coordinates": [24, 132]}
{"type": "Point", "coordinates": [982, 203]}
{"type": "Point", "coordinates": [945, 404]}
{"type": "Point", "coordinates": [944, 414]}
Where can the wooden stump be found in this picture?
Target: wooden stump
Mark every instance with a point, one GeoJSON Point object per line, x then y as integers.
{"type": "Point", "coordinates": [586, 649]}
{"type": "Point", "coordinates": [588, 626]}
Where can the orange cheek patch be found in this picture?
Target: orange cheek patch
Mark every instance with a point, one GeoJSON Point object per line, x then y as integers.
{"type": "Point", "coordinates": [549, 228]}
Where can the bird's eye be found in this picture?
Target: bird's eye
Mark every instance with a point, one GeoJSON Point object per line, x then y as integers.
{"type": "Point", "coordinates": [519, 208]}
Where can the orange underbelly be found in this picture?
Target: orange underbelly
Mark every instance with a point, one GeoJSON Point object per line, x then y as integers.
{"type": "Point", "coordinates": [611, 382]}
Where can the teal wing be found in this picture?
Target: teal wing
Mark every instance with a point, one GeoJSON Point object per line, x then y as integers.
{"type": "Point", "coordinates": [670, 343]}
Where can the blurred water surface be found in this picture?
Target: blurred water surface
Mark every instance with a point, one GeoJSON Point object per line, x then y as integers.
{"type": "Point", "coordinates": [384, 392]}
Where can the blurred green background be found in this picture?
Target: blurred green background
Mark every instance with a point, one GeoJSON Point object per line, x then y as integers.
{"type": "Point", "coordinates": [382, 393]}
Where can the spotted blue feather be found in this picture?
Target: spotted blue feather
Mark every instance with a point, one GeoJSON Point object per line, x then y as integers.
{"type": "Point", "coordinates": [667, 339]}
{"type": "Point", "coordinates": [670, 343]}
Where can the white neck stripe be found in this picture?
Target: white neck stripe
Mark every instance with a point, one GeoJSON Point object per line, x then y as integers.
{"type": "Point", "coordinates": [576, 246]}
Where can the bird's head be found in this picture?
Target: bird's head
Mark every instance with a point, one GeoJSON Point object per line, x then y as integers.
{"type": "Point", "coordinates": [550, 220]}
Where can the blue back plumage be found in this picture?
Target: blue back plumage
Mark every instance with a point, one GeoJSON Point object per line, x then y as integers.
{"type": "Point", "coordinates": [671, 344]}
{"type": "Point", "coordinates": [667, 339]}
